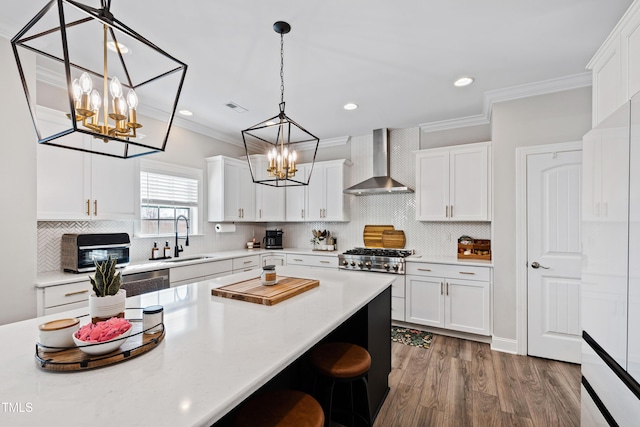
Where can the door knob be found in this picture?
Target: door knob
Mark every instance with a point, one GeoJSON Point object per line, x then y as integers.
{"type": "Point", "coordinates": [535, 264]}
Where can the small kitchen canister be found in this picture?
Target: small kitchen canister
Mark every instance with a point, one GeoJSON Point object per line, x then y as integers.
{"type": "Point", "coordinates": [152, 318]}
{"type": "Point", "coordinates": [268, 276]}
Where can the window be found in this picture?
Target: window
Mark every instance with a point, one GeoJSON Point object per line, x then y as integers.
{"type": "Point", "coordinates": [166, 192]}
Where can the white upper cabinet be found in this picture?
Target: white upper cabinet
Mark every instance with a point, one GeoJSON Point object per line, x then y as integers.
{"type": "Point", "coordinates": [616, 66]}
{"type": "Point", "coordinates": [74, 185]}
{"type": "Point", "coordinates": [296, 198]}
{"type": "Point", "coordinates": [232, 193]}
{"type": "Point", "coordinates": [453, 183]}
{"type": "Point", "coordinates": [325, 198]}
{"type": "Point", "coordinates": [270, 201]}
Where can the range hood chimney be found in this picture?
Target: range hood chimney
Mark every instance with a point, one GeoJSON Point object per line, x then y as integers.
{"type": "Point", "coordinates": [381, 182]}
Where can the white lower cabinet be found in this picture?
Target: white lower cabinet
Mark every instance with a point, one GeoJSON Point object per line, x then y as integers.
{"type": "Point", "coordinates": [185, 274]}
{"type": "Point", "coordinates": [69, 296]}
{"type": "Point", "coordinates": [397, 299]}
{"type": "Point", "coordinates": [246, 263]}
{"type": "Point", "coordinates": [313, 260]}
{"type": "Point", "coordinates": [273, 259]}
{"type": "Point", "coordinates": [436, 296]}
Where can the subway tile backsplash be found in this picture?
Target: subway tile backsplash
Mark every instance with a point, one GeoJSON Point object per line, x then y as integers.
{"type": "Point", "coordinates": [428, 238]}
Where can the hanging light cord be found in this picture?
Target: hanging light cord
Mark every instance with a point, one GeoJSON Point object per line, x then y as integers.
{"type": "Point", "coordinates": [281, 67]}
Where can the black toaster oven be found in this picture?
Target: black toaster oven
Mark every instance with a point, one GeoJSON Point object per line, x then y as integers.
{"type": "Point", "coordinates": [80, 251]}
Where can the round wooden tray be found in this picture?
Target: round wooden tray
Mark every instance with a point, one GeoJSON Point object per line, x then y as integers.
{"type": "Point", "coordinates": [74, 359]}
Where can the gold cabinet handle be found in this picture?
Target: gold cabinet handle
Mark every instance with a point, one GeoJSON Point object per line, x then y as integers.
{"type": "Point", "coordinates": [95, 208]}
{"type": "Point", "coordinates": [446, 211]}
{"type": "Point", "coordinates": [325, 262]}
{"type": "Point", "coordinates": [441, 288]}
{"type": "Point", "coordinates": [297, 259]}
{"type": "Point", "coordinates": [88, 207]}
{"type": "Point", "coordinates": [451, 211]}
{"type": "Point", "coordinates": [301, 213]}
{"type": "Point", "coordinates": [239, 213]}
{"type": "Point", "coordinates": [466, 272]}
{"type": "Point", "coordinates": [447, 288]}
{"type": "Point", "coordinates": [260, 212]}
{"type": "Point", "coordinates": [424, 269]}
{"type": "Point", "coordinates": [69, 294]}
{"type": "Point", "coordinates": [248, 262]}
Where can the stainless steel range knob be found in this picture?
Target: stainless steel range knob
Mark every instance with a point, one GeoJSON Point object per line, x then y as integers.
{"type": "Point", "coordinates": [396, 266]}
{"type": "Point", "coordinates": [367, 264]}
{"type": "Point", "coordinates": [353, 263]}
{"type": "Point", "coordinates": [360, 264]}
{"type": "Point", "coordinates": [345, 262]}
{"type": "Point", "coordinates": [386, 266]}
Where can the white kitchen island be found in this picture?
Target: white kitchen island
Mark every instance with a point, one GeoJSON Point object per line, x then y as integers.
{"type": "Point", "coordinates": [216, 353]}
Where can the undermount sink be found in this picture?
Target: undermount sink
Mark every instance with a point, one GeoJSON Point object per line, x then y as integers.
{"type": "Point", "coordinates": [188, 258]}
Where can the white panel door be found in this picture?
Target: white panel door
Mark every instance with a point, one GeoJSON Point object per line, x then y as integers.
{"type": "Point", "coordinates": [425, 301]}
{"type": "Point", "coordinates": [432, 199]}
{"type": "Point", "coordinates": [467, 306]}
{"type": "Point", "coordinates": [554, 254]}
{"type": "Point", "coordinates": [469, 180]}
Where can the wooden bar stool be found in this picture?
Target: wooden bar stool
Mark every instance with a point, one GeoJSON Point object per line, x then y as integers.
{"type": "Point", "coordinates": [280, 408]}
{"type": "Point", "coordinates": [339, 362]}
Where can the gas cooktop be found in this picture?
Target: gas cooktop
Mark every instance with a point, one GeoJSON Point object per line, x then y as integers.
{"type": "Point", "coordinates": [395, 253]}
{"type": "Point", "coordinates": [381, 260]}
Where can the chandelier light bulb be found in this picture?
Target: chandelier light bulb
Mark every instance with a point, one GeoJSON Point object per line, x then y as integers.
{"type": "Point", "coordinates": [77, 90]}
{"type": "Point", "coordinates": [85, 83]}
{"type": "Point", "coordinates": [96, 100]}
{"type": "Point", "coordinates": [120, 106]}
{"type": "Point", "coordinates": [115, 88]}
{"type": "Point", "coordinates": [132, 99]}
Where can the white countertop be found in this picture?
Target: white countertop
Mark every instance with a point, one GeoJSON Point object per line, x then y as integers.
{"type": "Point", "coordinates": [216, 352]}
{"type": "Point", "coordinates": [58, 277]}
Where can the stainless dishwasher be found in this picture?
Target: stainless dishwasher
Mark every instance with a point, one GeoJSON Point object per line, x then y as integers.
{"type": "Point", "coordinates": [149, 281]}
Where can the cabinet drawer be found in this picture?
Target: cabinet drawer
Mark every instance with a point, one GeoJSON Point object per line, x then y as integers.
{"type": "Point", "coordinates": [449, 271]}
{"type": "Point", "coordinates": [66, 307]}
{"type": "Point", "coordinates": [187, 272]}
{"type": "Point", "coordinates": [246, 263]}
{"type": "Point", "coordinates": [67, 294]}
{"type": "Point", "coordinates": [312, 260]}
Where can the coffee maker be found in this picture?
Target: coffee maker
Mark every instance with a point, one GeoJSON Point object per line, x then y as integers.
{"type": "Point", "coordinates": [273, 239]}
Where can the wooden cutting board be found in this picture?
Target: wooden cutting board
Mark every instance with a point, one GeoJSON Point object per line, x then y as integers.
{"type": "Point", "coordinates": [253, 291]}
{"type": "Point", "coordinates": [373, 235]}
{"type": "Point", "coordinates": [394, 239]}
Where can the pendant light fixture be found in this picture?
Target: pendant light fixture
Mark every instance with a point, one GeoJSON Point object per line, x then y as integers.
{"type": "Point", "coordinates": [109, 74]}
{"type": "Point", "coordinates": [280, 138]}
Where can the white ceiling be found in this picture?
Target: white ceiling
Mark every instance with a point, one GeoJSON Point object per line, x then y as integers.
{"type": "Point", "coordinates": [396, 60]}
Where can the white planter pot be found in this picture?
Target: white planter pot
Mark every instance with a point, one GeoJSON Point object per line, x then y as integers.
{"type": "Point", "coordinates": [108, 306]}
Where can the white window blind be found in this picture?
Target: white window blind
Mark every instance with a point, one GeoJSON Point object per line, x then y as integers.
{"type": "Point", "coordinates": [168, 190]}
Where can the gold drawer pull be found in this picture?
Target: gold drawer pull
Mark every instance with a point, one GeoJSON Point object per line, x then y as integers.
{"type": "Point", "coordinates": [248, 262]}
{"type": "Point", "coordinates": [466, 272]}
{"type": "Point", "coordinates": [76, 293]}
{"type": "Point", "coordinates": [424, 269]}
{"type": "Point", "coordinates": [88, 207]}
{"type": "Point", "coordinates": [297, 259]}
{"type": "Point", "coordinates": [326, 262]}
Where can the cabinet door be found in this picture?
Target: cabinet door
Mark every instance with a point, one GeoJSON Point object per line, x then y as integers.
{"type": "Point", "coordinates": [468, 184]}
{"type": "Point", "coordinates": [63, 176]}
{"type": "Point", "coordinates": [425, 301]}
{"type": "Point", "coordinates": [467, 305]}
{"type": "Point", "coordinates": [270, 201]}
{"type": "Point", "coordinates": [334, 196]}
{"type": "Point", "coordinates": [247, 189]}
{"type": "Point", "coordinates": [232, 175]}
{"type": "Point", "coordinates": [432, 179]}
{"type": "Point", "coordinates": [296, 198]}
{"type": "Point", "coordinates": [607, 85]}
{"type": "Point", "coordinates": [113, 185]}
{"type": "Point", "coordinates": [316, 194]}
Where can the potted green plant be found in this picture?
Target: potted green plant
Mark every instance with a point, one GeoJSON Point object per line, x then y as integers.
{"type": "Point", "coordinates": [107, 299]}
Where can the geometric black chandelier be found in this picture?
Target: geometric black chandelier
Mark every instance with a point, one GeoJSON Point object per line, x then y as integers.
{"type": "Point", "coordinates": [95, 80]}
{"type": "Point", "coordinates": [279, 137]}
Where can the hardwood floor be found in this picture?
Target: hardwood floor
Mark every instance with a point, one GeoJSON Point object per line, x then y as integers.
{"type": "Point", "coordinates": [463, 383]}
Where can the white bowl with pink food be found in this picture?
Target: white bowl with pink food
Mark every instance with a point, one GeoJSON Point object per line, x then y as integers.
{"type": "Point", "coordinates": [102, 337]}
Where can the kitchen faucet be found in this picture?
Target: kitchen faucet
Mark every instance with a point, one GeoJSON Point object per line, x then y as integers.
{"type": "Point", "coordinates": [176, 252]}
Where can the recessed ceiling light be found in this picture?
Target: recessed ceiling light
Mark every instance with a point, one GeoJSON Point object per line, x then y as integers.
{"type": "Point", "coordinates": [112, 46]}
{"type": "Point", "coordinates": [185, 112]}
{"type": "Point", "coordinates": [463, 81]}
{"type": "Point", "coordinates": [350, 106]}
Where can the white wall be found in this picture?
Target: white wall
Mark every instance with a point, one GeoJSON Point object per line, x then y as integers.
{"type": "Point", "coordinates": [545, 119]}
{"type": "Point", "coordinates": [18, 252]}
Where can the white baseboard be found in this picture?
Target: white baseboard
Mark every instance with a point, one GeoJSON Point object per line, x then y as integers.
{"type": "Point", "coordinates": [504, 345]}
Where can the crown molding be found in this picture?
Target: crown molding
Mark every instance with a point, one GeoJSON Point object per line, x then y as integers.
{"type": "Point", "coordinates": [508, 94]}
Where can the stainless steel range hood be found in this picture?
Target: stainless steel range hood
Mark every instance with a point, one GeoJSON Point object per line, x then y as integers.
{"type": "Point", "coordinates": [381, 182]}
